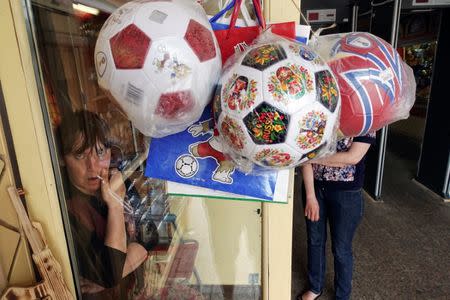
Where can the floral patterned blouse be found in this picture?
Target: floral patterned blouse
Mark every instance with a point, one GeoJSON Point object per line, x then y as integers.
{"type": "Point", "coordinates": [349, 177]}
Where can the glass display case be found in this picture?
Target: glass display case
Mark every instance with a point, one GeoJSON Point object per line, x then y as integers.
{"type": "Point", "coordinates": [176, 248]}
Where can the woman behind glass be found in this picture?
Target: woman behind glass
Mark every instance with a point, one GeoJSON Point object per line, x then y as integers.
{"type": "Point", "coordinates": [105, 260]}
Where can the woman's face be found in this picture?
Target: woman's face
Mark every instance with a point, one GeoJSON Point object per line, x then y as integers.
{"type": "Point", "coordinates": [84, 168]}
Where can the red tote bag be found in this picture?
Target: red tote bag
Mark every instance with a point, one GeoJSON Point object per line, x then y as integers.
{"type": "Point", "coordinates": [229, 38]}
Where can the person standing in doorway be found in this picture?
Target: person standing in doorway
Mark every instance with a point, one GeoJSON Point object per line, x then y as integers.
{"type": "Point", "coordinates": [332, 194]}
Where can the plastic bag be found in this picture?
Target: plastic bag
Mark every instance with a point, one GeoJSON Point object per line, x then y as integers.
{"type": "Point", "coordinates": [377, 87]}
{"type": "Point", "coordinates": [159, 61]}
{"type": "Point", "coordinates": [277, 105]}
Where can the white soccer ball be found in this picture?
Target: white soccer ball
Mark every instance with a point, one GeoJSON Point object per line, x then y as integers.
{"type": "Point", "coordinates": [277, 105]}
{"type": "Point", "coordinates": [159, 60]}
{"type": "Point", "coordinates": [186, 166]}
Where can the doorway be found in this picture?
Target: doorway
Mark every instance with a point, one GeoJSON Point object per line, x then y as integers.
{"type": "Point", "coordinates": [417, 42]}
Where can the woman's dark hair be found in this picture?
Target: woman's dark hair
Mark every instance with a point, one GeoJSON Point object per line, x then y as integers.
{"type": "Point", "coordinates": [85, 124]}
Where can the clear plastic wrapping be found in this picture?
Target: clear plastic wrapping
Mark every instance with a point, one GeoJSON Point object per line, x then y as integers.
{"type": "Point", "coordinates": [277, 105]}
{"type": "Point", "coordinates": [159, 61]}
{"type": "Point", "coordinates": [377, 87]}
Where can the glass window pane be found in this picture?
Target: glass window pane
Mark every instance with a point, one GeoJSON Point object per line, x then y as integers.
{"type": "Point", "coordinates": [129, 238]}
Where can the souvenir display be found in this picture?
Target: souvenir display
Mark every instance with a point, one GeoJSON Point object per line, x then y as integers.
{"type": "Point", "coordinates": [277, 104]}
{"type": "Point", "coordinates": [376, 86]}
{"type": "Point", "coordinates": [159, 60]}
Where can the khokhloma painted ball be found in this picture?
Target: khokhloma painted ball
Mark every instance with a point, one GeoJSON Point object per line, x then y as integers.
{"type": "Point", "coordinates": [160, 61]}
{"type": "Point", "coordinates": [277, 105]}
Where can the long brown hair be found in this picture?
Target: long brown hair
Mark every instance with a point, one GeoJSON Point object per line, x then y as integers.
{"type": "Point", "coordinates": [85, 124]}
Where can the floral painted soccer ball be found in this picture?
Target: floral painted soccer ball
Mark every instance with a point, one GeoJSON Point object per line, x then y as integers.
{"type": "Point", "coordinates": [277, 105]}
{"type": "Point", "coordinates": [160, 61]}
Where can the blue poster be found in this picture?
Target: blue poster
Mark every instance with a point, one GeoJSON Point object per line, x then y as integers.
{"type": "Point", "coordinates": [194, 157]}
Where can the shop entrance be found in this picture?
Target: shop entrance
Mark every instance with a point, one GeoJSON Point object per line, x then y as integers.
{"type": "Point", "coordinates": [412, 148]}
{"type": "Point", "coordinates": [417, 42]}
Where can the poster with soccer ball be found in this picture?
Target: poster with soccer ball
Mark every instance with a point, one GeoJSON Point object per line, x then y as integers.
{"type": "Point", "coordinates": [194, 157]}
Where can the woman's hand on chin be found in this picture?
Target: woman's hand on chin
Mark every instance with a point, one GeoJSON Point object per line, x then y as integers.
{"type": "Point", "coordinates": [113, 189]}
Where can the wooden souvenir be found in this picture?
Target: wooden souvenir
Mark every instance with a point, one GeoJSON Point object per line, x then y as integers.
{"type": "Point", "coordinates": [52, 285]}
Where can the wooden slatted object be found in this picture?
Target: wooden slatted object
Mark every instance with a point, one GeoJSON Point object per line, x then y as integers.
{"type": "Point", "coordinates": [52, 285]}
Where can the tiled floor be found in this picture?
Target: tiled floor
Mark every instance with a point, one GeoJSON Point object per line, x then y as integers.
{"type": "Point", "coordinates": [402, 247]}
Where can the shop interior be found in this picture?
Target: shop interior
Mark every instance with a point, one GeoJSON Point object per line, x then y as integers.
{"type": "Point", "coordinates": [417, 42]}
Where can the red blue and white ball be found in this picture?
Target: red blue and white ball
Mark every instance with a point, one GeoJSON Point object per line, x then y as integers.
{"type": "Point", "coordinates": [376, 86]}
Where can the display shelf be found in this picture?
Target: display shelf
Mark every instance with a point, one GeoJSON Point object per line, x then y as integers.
{"type": "Point", "coordinates": [171, 263]}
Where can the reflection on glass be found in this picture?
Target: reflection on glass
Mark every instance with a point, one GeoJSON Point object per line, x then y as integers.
{"type": "Point", "coordinates": [130, 239]}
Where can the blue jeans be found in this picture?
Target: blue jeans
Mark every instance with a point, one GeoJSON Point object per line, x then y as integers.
{"type": "Point", "coordinates": [343, 210]}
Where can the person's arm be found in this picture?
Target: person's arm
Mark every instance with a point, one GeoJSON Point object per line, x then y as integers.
{"type": "Point", "coordinates": [99, 264]}
{"type": "Point", "coordinates": [136, 255]}
{"type": "Point", "coordinates": [312, 205]}
{"type": "Point", "coordinates": [115, 236]}
{"type": "Point", "coordinates": [351, 157]}
{"type": "Point", "coordinates": [113, 190]}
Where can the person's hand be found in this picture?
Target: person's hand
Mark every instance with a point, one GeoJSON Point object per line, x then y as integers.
{"type": "Point", "coordinates": [196, 130]}
{"type": "Point", "coordinates": [113, 189]}
{"type": "Point", "coordinates": [312, 209]}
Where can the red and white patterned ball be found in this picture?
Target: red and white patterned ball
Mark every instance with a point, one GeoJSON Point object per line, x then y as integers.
{"type": "Point", "coordinates": [159, 60]}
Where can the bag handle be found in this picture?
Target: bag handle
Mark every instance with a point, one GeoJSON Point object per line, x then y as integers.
{"type": "Point", "coordinates": [220, 16]}
{"type": "Point", "coordinates": [259, 15]}
{"type": "Point", "coordinates": [246, 16]}
{"type": "Point", "coordinates": [236, 5]}
{"type": "Point", "coordinates": [256, 6]}
{"type": "Point", "coordinates": [222, 12]}
{"type": "Point", "coordinates": [235, 14]}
